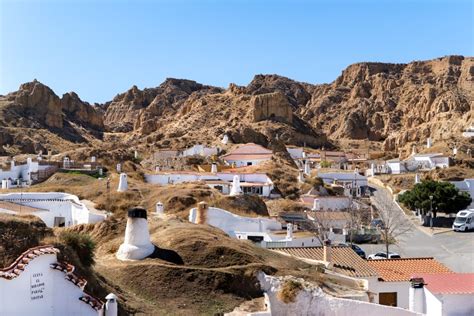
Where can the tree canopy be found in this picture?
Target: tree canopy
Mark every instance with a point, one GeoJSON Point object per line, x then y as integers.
{"type": "Point", "coordinates": [446, 197]}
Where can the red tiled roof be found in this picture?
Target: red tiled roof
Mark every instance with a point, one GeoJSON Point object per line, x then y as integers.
{"type": "Point", "coordinates": [448, 283]}
{"type": "Point", "coordinates": [399, 270]}
{"type": "Point", "coordinates": [344, 259]}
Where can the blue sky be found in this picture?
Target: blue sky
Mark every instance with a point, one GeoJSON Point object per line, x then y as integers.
{"type": "Point", "coordinates": [103, 47]}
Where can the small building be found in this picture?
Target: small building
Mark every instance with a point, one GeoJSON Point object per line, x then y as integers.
{"type": "Point", "coordinates": [248, 155]}
{"type": "Point", "coordinates": [395, 166]}
{"type": "Point", "coordinates": [394, 275]}
{"type": "Point", "coordinates": [250, 183]}
{"type": "Point", "coordinates": [429, 161]}
{"type": "Point", "coordinates": [468, 132]}
{"type": "Point", "coordinates": [326, 203]}
{"type": "Point", "coordinates": [442, 294]}
{"type": "Point", "coordinates": [22, 174]}
{"type": "Point", "coordinates": [354, 184]}
{"type": "Point", "coordinates": [265, 232]}
{"type": "Point", "coordinates": [38, 284]}
{"type": "Point", "coordinates": [55, 209]}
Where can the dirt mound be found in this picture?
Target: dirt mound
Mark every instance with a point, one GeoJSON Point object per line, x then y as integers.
{"type": "Point", "coordinates": [247, 205]}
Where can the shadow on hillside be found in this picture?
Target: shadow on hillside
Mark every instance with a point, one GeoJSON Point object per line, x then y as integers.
{"type": "Point", "coordinates": [167, 255]}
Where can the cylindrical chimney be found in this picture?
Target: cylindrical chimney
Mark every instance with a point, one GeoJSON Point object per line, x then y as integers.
{"type": "Point", "coordinates": [201, 215]}
{"type": "Point", "coordinates": [235, 190]}
{"type": "Point", "coordinates": [111, 306]}
{"type": "Point", "coordinates": [160, 209]}
{"type": "Point", "coordinates": [137, 244]}
{"type": "Point", "coordinates": [123, 183]}
{"type": "Point", "coordinates": [214, 168]}
{"type": "Point", "coordinates": [327, 253]}
{"type": "Point", "coordinates": [416, 301]}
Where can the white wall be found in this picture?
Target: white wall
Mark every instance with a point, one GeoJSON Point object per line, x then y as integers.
{"type": "Point", "coordinates": [332, 203]}
{"type": "Point", "coordinates": [246, 162]}
{"type": "Point", "coordinates": [402, 289]}
{"type": "Point", "coordinates": [55, 204]}
{"type": "Point", "coordinates": [313, 301]}
{"type": "Point", "coordinates": [448, 304]}
{"type": "Point", "coordinates": [230, 223]}
{"type": "Point", "coordinates": [21, 171]}
{"type": "Point", "coordinates": [59, 296]}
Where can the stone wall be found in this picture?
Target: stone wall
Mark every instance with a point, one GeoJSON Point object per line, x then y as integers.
{"type": "Point", "coordinates": [272, 106]}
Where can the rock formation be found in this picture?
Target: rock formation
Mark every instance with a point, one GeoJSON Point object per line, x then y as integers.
{"type": "Point", "coordinates": [393, 104]}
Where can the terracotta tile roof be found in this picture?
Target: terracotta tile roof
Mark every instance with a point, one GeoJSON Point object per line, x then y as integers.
{"type": "Point", "coordinates": [448, 283]}
{"type": "Point", "coordinates": [398, 270]}
{"type": "Point", "coordinates": [248, 151]}
{"type": "Point", "coordinates": [344, 259]}
{"type": "Point", "coordinates": [19, 265]}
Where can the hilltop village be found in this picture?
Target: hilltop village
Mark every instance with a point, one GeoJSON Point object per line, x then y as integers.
{"type": "Point", "coordinates": [275, 198]}
{"type": "Point", "coordinates": [233, 229]}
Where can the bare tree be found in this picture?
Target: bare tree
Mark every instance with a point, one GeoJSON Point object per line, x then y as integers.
{"type": "Point", "coordinates": [394, 222]}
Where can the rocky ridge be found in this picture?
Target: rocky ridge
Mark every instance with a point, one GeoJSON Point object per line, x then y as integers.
{"type": "Point", "coordinates": [392, 104]}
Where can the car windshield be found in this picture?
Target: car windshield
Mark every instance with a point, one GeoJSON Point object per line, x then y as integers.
{"type": "Point", "coordinates": [460, 219]}
{"type": "Point", "coordinates": [394, 256]}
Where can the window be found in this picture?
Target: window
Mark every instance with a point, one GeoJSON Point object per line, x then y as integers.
{"type": "Point", "coordinates": [252, 190]}
{"type": "Point", "coordinates": [249, 163]}
{"type": "Point", "coordinates": [388, 299]}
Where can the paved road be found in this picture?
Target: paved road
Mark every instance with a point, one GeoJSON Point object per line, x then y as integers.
{"type": "Point", "coordinates": [454, 249]}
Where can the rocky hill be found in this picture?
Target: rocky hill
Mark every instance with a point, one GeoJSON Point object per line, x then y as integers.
{"type": "Point", "coordinates": [393, 105]}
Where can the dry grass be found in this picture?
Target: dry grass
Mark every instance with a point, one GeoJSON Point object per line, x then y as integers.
{"type": "Point", "coordinates": [289, 291]}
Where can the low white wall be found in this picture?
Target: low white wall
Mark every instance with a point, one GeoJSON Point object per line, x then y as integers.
{"type": "Point", "coordinates": [449, 304]}
{"type": "Point", "coordinates": [313, 301]}
{"type": "Point", "coordinates": [230, 223]}
{"type": "Point", "coordinates": [401, 288]}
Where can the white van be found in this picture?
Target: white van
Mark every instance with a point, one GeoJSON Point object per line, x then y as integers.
{"type": "Point", "coordinates": [464, 220]}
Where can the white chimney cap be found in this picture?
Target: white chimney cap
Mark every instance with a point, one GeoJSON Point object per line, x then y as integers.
{"type": "Point", "coordinates": [111, 296]}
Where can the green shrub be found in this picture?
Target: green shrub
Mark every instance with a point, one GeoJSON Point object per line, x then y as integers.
{"type": "Point", "coordinates": [82, 244]}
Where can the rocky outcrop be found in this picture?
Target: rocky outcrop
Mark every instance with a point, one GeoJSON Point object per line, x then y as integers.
{"type": "Point", "coordinates": [81, 112]}
{"type": "Point", "coordinates": [273, 106]}
{"type": "Point", "coordinates": [38, 101]}
{"type": "Point", "coordinates": [396, 103]}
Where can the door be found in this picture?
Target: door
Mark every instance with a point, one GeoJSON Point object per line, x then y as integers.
{"type": "Point", "coordinates": [59, 222]}
{"type": "Point", "coordinates": [389, 298]}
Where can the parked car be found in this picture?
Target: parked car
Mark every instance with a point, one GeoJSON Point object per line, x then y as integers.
{"type": "Point", "coordinates": [464, 220]}
{"type": "Point", "coordinates": [383, 255]}
{"type": "Point", "coordinates": [356, 249]}
{"type": "Point", "coordinates": [377, 223]}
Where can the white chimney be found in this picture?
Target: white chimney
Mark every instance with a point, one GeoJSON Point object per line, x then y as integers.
{"type": "Point", "coordinates": [300, 176]}
{"type": "Point", "coordinates": [12, 164]}
{"type": "Point", "coordinates": [455, 151]}
{"type": "Point", "coordinates": [135, 154]}
{"type": "Point", "coordinates": [303, 155]}
{"type": "Point", "coordinates": [307, 168]}
{"type": "Point", "coordinates": [413, 149]}
{"type": "Point", "coordinates": [111, 306]}
{"type": "Point", "coordinates": [6, 184]}
{"type": "Point", "coordinates": [137, 244]}
{"type": "Point", "coordinates": [235, 190]}
{"type": "Point", "coordinates": [214, 168]}
{"type": "Point", "coordinates": [101, 172]}
{"type": "Point", "coordinates": [29, 161]}
{"type": "Point", "coordinates": [123, 184]}
{"type": "Point", "coordinates": [372, 169]}
{"type": "Point", "coordinates": [429, 143]}
{"type": "Point", "coordinates": [66, 163]}
{"type": "Point", "coordinates": [416, 296]}
{"type": "Point", "coordinates": [289, 231]}
{"type": "Point", "coordinates": [417, 178]}
{"type": "Point", "coordinates": [93, 159]}
{"type": "Point", "coordinates": [119, 167]}
{"type": "Point", "coordinates": [160, 209]}
{"type": "Point", "coordinates": [316, 205]}
{"type": "Point", "coordinates": [225, 139]}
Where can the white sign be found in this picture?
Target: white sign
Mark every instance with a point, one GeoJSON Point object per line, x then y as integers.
{"type": "Point", "coordinates": [37, 286]}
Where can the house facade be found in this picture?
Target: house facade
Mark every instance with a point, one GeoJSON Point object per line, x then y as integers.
{"type": "Point", "coordinates": [55, 209]}
{"type": "Point", "coordinates": [248, 155]}
{"type": "Point", "coordinates": [37, 284]}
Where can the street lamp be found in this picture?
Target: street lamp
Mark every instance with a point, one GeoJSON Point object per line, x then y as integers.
{"type": "Point", "coordinates": [431, 212]}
